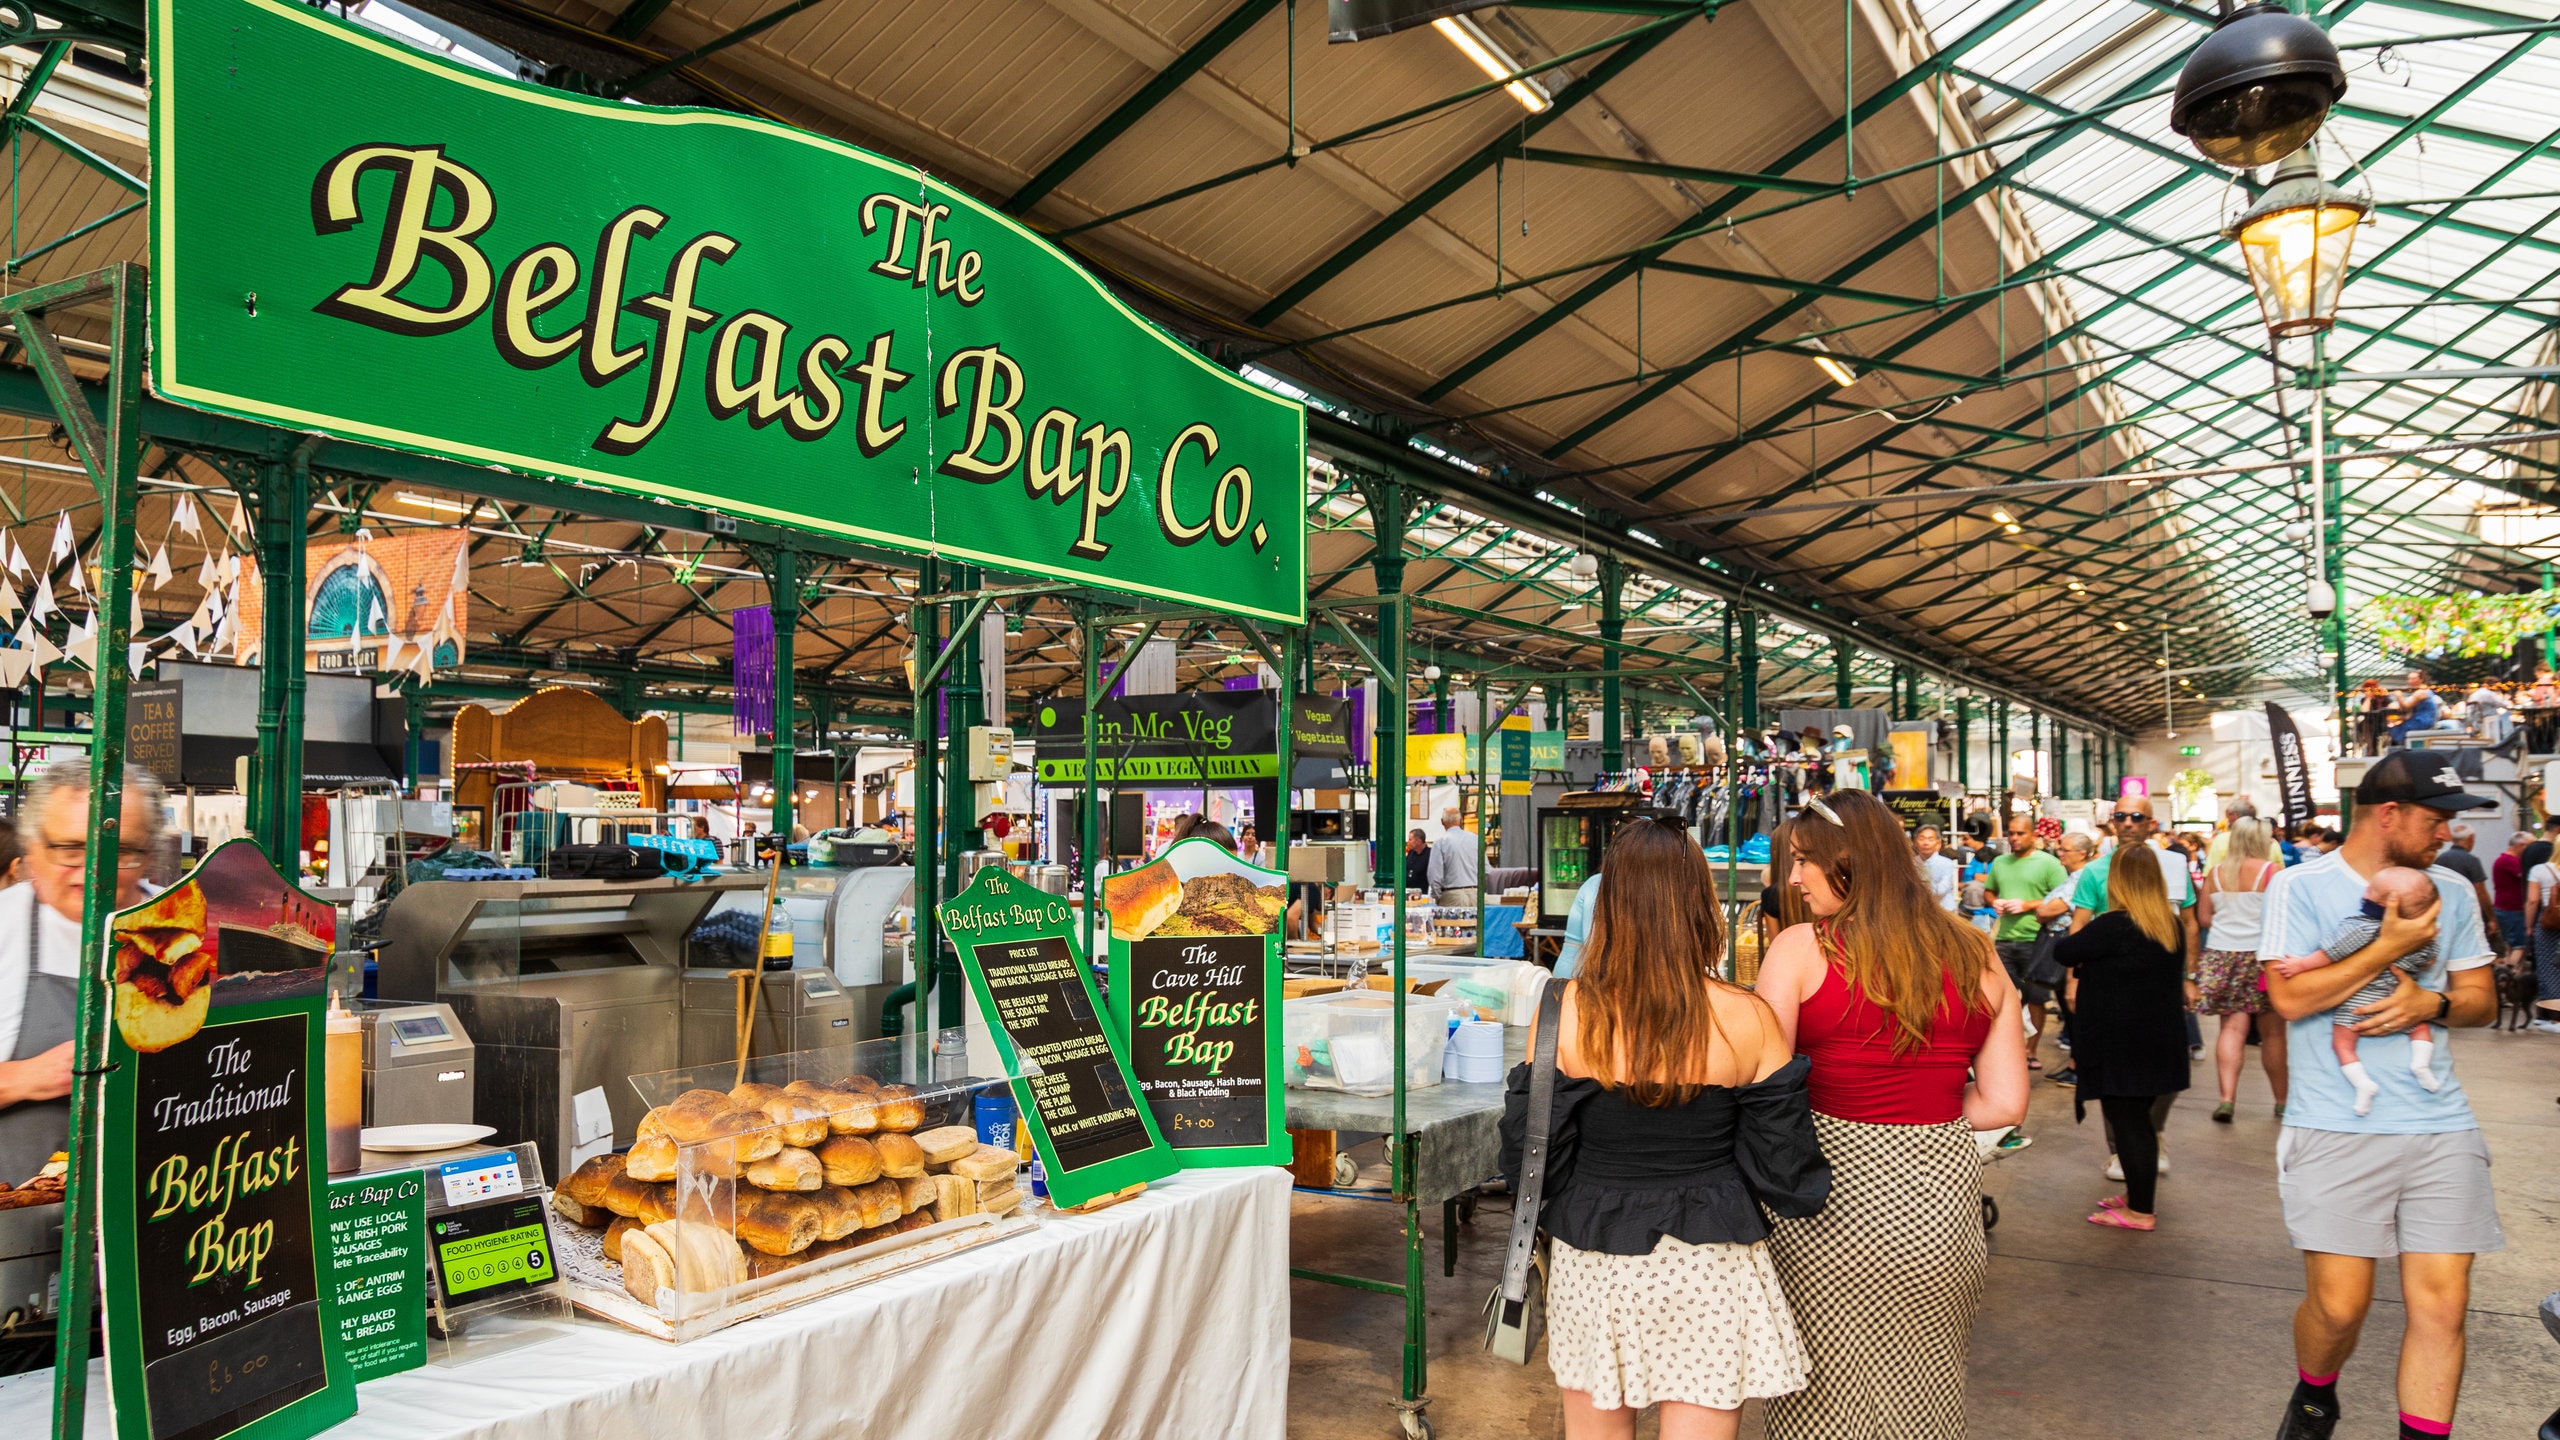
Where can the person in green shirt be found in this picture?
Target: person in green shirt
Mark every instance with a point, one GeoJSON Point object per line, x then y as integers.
{"type": "Point", "coordinates": [2021, 881]}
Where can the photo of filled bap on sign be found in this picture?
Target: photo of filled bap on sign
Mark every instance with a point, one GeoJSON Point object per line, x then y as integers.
{"type": "Point", "coordinates": [1195, 888]}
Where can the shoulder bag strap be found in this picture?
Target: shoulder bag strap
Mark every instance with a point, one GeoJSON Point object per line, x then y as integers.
{"type": "Point", "coordinates": [1530, 1191]}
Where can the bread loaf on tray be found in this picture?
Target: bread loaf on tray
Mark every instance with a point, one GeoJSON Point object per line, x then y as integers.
{"type": "Point", "coordinates": [776, 1223]}
{"type": "Point", "coordinates": [900, 1108]}
{"type": "Point", "coordinates": [954, 1196]}
{"type": "Point", "coordinates": [849, 1160]}
{"type": "Point", "coordinates": [652, 1159]}
{"type": "Point", "coordinates": [987, 1162]}
{"type": "Point", "coordinates": [900, 1156]}
{"type": "Point", "coordinates": [880, 1202]}
{"type": "Point", "coordinates": [839, 1214]}
{"type": "Point", "coordinates": [791, 1168]}
{"type": "Point", "coordinates": [622, 1225]}
{"type": "Point", "coordinates": [946, 1143]}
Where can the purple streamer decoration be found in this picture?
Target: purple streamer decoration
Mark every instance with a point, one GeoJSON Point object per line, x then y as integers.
{"type": "Point", "coordinates": [751, 671]}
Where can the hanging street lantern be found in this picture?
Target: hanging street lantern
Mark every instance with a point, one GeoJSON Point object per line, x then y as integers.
{"type": "Point", "coordinates": [2257, 88]}
{"type": "Point", "coordinates": [2297, 238]}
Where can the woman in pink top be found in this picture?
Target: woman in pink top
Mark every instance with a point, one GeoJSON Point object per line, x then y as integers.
{"type": "Point", "coordinates": [1893, 1001]}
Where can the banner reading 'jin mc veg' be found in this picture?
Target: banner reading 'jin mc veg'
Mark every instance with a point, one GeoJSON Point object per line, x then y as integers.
{"type": "Point", "coordinates": [354, 237]}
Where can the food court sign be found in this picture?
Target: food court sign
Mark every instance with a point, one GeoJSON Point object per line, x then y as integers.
{"type": "Point", "coordinates": [354, 237]}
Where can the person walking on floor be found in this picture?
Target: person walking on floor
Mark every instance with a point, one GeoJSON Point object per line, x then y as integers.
{"type": "Point", "coordinates": [2075, 852]}
{"type": "Point", "coordinates": [1679, 1112]}
{"type": "Point", "coordinates": [2020, 882]}
{"type": "Point", "coordinates": [2231, 912]}
{"type": "Point", "coordinates": [1892, 1000]}
{"type": "Point", "coordinates": [2542, 925]}
{"type": "Point", "coordinates": [2411, 1178]}
{"type": "Point", "coordinates": [2130, 991]}
{"type": "Point", "coordinates": [1937, 867]}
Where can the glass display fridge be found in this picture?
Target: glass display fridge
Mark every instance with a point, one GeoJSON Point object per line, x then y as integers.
{"type": "Point", "coordinates": [1570, 843]}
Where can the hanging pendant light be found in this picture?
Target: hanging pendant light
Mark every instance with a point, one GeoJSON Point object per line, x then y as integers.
{"type": "Point", "coordinates": [2297, 239]}
{"type": "Point", "coordinates": [2257, 88]}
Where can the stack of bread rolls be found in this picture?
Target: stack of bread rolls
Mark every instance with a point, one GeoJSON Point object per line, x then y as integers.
{"type": "Point", "coordinates": [817, 1169]}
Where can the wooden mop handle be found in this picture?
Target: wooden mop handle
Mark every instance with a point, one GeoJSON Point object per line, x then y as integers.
{"type": "Point", "coordinates": [748, 979]}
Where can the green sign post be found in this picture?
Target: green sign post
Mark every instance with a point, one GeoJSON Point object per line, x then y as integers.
{"type": "Point", "coordinates": [1018, 947]}
{"type": "Point", "coordinates": [690, 305]}
{"type": "Point", "coordinates": [1198, 997]}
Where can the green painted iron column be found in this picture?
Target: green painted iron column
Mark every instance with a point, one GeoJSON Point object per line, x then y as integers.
{"type": "Point", "coordinates": [924, 625]}
{"type": "Point", "coordinates": [1840, 658]}
{"type": "Point", "coordinates": [961, 686]}
{"type": "Point", "coordinates": [1964, 741]}
{"type": "Point", "coordinates": [1613, 628]}
{"type": "Point", "coordinates": [1750, 668]}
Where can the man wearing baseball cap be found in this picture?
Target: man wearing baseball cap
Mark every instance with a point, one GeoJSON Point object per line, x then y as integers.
{"type": "Point", "coordinates": [2411, 1178]}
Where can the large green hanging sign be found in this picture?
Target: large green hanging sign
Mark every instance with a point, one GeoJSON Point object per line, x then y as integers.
{"type": "Point", "coordinates": [354, 237]}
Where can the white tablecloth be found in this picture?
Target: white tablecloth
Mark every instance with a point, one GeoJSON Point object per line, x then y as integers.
{"type": "Point", "coordinates": [1164, 1316]}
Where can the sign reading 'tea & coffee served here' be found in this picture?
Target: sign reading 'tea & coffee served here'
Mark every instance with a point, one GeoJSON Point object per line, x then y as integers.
{"type": "Point", "coordinates": [692, 305]}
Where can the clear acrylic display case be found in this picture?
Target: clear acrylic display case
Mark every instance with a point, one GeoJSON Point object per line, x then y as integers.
{"type": "Point", "coordinates": [760, 1186]}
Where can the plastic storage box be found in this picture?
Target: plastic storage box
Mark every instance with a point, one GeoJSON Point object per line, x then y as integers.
{"type": "Point", "coordinates": [1346, 1040]}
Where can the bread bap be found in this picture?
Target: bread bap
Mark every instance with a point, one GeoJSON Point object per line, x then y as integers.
{"type": "Point", "coordinates": [857, 1084]}
{"type": "Point", "coordinates": [900, 1156]}
{"type": "Point", "coordinates": [987, 1162]}
{"type": "Point", "coordinates": [954, 1196]}
{"type": "Point", "coordinates": [703, 1257]}
{"type": "Point", "coordinates": [627, 1194]}
{"type": "Point", "coordinates": [838, 1213]}
{"type": "Point", "coordinates": [652, 1159]}
{"type": "Point", "coordinates": [846, 1112]}
{"type": "Point", "coordinates": [848, 1160]}
{"type": "Point", "coordinates": [775, 1223]}
{"type": "Point", "coordinates": [586, 1184]}
{"type": "Point", "coordinates": [946, 1143]}
{"type": "Point", "coordinates": [881, 1202]}
{"type": "Point", "coordinates": [571, 1211]}
{"type": "Point", "coordinates": [900, 1109]}
{"type": "Point", "coordinates": [646, 1267]}
{"type": "Point", "coordinates": [921, 1193]}
{"type": "Point", "coordinates": [790, 1169]}
{"type": "Point", "coordinates": [622, 1225]}
{"type": "Point", "coordinates": [798, 1122]}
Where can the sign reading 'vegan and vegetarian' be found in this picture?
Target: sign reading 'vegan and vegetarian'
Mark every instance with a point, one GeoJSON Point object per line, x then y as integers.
{"type": "Point", "coordinates": [355, 237]}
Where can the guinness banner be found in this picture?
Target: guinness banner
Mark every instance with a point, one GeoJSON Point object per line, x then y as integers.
{"type": "Point", "coordinates": [689, 305]}
{"type": "Point", "coordinates": [2293, 770]}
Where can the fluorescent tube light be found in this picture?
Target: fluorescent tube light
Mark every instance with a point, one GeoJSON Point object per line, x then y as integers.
{"type": "Point", "coordinates": [1490, 58]}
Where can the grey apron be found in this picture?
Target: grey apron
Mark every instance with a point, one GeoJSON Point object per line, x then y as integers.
{"type": "Point", "coordinates": [32, 1132]}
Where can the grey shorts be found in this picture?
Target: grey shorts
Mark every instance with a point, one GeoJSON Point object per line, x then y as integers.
{"type": "Point", "coordinates": [2379, 1195]}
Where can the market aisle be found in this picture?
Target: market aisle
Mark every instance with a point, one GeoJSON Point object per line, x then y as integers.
{"type": "Point", "coordinates": [2085, 1334]}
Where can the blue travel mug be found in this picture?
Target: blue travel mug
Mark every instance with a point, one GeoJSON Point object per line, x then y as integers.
{"type": "Point", "coordinates": [995, 1121]}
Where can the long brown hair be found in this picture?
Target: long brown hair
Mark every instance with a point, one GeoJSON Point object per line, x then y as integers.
{"type": "Point", "coordinates": [1645, 992]}
{"type": "Point", "coordinates": [2136, 887]}
{"type": "Point", "coordinates": [1893, 942]}
{"type": "Point", "coordinates": [1782, 883]}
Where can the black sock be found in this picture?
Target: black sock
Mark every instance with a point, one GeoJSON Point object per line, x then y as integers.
{"type": "Point", "coordinates": [2320, 1395]}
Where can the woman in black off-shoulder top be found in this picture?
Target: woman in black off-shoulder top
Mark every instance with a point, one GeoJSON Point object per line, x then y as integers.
{"type": "Point", "coordinates": [1679, 1118]}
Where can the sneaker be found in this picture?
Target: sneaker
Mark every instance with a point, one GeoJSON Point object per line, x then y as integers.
{"type": "Point", "coordinates": [2222, 1113]}
{"type": "Point", "coordinates": [2306, 1420]}
{"type": "Point", "coordinates": [2013, 1141]}
{"type": "Point", "coordinates": [2164, 1160]}
{"type": "Point", "coordinates": [2115, 1168]}
{"type": "Point", "coordinates": [2545, 1027]}
{"type": "Point", "coordinates": [2066, 1076]}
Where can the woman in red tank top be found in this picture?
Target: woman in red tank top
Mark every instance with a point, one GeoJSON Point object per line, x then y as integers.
{"type": "Point", "coordinates": [1913, 1033]}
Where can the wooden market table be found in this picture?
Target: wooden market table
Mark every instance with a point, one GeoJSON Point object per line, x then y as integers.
{"type": "Point", "coordinates": [1167, 1315]}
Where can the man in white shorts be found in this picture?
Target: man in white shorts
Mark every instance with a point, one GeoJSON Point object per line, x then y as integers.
{"type": "Point", "coordinates": [2410, 1179]}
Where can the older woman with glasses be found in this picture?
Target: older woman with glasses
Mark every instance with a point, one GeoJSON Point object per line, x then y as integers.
{"type": "Point", "coordinates": [40, 949]}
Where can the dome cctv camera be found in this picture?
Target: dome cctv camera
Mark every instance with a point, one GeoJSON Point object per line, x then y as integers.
{"type": "Point", "coordinates": [2257, 88]}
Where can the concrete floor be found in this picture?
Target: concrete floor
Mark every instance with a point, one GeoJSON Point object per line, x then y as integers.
{"type": "Point", "coordinates": [2085, 1334]}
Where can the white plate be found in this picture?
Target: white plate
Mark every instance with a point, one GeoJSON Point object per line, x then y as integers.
{"type": "Point", "coordinates": [410, 1139]}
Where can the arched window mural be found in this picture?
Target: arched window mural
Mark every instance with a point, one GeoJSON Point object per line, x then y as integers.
{"type": "Point", "coordinates": [349, 596]}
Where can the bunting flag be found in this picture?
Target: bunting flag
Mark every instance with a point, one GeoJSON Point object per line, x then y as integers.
{"type": "Point", "coordinates": [160, 566]}
{"type": "Point", "coordinates": [137, 655]}
{"type": "Point", "coordinates": [751, 671]}
{"type": "Point", "coordinates": [14, 667]}
{"type": "Point", "coordinates": [44, 604]}
{"type": "Point", "coordinates": [207, 577]}
{"type": "Point", "coordinates": [185, 637]}
{"type": "Point", "coordinates": [18, 560]}
{"type": "Point", "coordinates": [62, 544]}
{"type": "Point", "coordinates": [9, 605]}
{"type": "Point", "coordinates": [185, 514]}
{"type": "Point", "coordinates": [80, 647]}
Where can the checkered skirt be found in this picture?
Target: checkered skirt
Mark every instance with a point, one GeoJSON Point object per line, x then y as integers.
{"type": "Point", "coordinates": [1884, 1284]}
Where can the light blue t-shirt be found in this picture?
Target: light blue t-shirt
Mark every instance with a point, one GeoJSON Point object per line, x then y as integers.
{"type": "Point", "coordinates": [2304, 904]}
{"type": "Point", "coordinates": [1577, 928]}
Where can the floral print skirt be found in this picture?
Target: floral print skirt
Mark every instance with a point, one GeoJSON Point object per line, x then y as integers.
{"type": "Point", "coordinates": [1703, 1324]}
{"type": "Point", "coordinates": [2227, 983]}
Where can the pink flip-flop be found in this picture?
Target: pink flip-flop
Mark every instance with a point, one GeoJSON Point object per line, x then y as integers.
{"type": "Point", "coordinates": [2122, 1220]}
{"type": "Point", "coordinates": [2112, 1202]}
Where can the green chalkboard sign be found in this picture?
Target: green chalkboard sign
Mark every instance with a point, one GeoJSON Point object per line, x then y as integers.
{"type": "Point", "coordinates": [378, 1271]}
{"type": "Point", "coordinates": [1018, 948]}
{"type": "Point", "coordinates": [1195, 985]}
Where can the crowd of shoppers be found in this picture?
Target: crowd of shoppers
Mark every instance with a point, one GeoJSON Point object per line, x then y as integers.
{"type": "Point", "coordinates": [1773, 1192]}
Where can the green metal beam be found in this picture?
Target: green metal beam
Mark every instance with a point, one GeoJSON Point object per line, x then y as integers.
{"type": "Point", "coordinates": [1429, 197]}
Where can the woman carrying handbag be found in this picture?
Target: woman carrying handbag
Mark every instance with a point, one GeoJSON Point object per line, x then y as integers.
{"type": "Point", "coordinates": [1675, 1113]}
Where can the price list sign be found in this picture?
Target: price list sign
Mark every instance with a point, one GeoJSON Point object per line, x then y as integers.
{"type": "Point", "coordinates": [377, 1235]}
{"type": "Point", "coordinates": [1093, 1134]}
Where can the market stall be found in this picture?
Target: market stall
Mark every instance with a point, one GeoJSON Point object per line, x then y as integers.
{"type": "Point", "coordinates": [640, 1204]}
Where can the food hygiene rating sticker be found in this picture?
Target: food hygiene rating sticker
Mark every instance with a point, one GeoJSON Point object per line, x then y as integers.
{"type": "Point", "coordinates": [492, 1250]}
